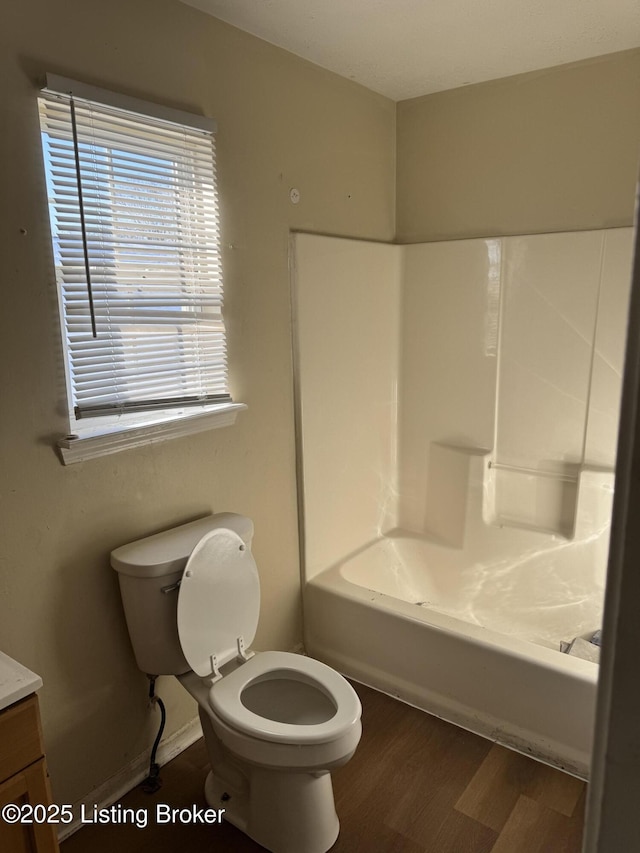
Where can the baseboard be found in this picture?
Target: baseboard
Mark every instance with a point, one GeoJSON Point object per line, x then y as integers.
{"type": "Point", "coordinates": [132, 774]}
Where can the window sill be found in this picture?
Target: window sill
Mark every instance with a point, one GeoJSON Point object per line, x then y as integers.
{"type": "Point", "coordinates": [80, 449]}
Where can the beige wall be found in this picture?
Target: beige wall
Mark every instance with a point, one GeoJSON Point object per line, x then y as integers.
{"type": "Point", "coordinates": [282, 123]}
{"type": "Point", "coordinates": [554, 150]}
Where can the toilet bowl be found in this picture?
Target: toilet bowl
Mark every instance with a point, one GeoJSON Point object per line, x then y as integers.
{"type": "Point", "coordinates": [275, 723]}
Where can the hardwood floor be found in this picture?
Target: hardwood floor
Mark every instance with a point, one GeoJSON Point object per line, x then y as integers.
{"type": "Point", "coordinates": [415, 785]}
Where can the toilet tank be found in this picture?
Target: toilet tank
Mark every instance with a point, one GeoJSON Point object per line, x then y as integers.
{"type": "Point", "coordinates": [149, 571]}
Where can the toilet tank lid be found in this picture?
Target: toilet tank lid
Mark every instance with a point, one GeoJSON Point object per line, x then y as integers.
{"type": "Point", "coordinates": [167, 552]}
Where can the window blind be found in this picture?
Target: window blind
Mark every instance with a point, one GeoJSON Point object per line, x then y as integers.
{"type": "Point", "coordinates": [134, 223]}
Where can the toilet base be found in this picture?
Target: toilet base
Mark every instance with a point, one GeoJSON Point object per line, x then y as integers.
{"type": "Point", "coordinates": [285, 812]}
{"type": "Point", "coordinates": [219, 795]}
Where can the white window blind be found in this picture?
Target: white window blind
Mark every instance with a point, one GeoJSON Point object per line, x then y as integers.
{"type": "Point", "coordinates": [134, 222]}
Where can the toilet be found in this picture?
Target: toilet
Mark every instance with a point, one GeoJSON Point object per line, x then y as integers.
{"type": "Point", "coordinates": [275, 723]}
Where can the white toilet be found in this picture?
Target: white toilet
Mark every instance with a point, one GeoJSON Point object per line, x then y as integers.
{"type": "Point", "coordinates": [275, 723]}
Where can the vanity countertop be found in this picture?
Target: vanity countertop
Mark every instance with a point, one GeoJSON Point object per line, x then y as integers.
{"type": "Point", "coordinates": [16, 681]}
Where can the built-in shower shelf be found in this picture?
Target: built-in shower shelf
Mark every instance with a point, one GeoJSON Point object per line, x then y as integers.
{"type": "Point", "coordinates": [532, 498]}
{"type": "Point", "coordinates": [471, 491]}
{"type": "Point", "coordinates": [520, 524]}
{"type": "Point", "coordinates": [565, 476]}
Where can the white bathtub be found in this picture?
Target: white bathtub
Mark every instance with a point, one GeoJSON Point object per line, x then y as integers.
{"type": "Point", "coordinates": [396, 617]}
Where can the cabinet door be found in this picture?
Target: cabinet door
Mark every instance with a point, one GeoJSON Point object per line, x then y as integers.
{"type": "Point", "coordinates": [20, 737]}
{"type": "Point", "coordinates": [28, 786]}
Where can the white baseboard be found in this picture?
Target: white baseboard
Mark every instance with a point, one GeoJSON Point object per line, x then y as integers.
{"type": "Point", "coordinates": [132, 774]}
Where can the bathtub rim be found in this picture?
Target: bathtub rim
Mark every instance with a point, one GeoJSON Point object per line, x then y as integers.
{"type": "Point", "coordinates": [333, 580]}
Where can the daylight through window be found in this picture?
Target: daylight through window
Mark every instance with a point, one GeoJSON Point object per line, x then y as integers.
{"type": "Point", "coordinates": [134, 224]}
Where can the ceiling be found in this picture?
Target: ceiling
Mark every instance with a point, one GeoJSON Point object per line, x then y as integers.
{"type": "Point", "coordinates": [406, 48]}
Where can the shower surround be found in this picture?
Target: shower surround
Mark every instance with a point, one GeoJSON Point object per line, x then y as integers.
{"type": "Point", "coordinates": [457, 413]}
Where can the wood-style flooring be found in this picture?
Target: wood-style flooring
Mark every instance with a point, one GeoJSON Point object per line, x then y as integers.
{"type": "Point", "coordinates": [415, 785]}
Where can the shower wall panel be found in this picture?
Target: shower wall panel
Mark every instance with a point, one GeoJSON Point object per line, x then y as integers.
{"type": "Point", "coordinates": [450, 312]}
{"type": "Point", "coordinates": [346, 302]}
{"type": "Point", "coordinates": [407, 355]}
{"type": "Point", "coordinates": [515, 346]}
{"type": "Point", "coordinates": [550, 300]}
{"type": "Point", "coordinates": [608, 362]}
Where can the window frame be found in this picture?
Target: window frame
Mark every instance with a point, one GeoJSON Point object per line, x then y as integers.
{"type": "Point", "coordinates": [92, 435]}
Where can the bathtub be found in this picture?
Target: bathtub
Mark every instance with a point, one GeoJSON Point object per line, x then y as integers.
{"type": "Point", "coordinates": [396, 617]}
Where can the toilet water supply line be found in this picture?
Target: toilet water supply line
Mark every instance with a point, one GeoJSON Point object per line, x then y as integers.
{"type": "Point", "coordinates": [153, 782]}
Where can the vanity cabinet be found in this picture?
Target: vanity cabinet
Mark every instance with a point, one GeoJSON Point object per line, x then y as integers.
{"type": "Point", "coordinates": [23, 777]}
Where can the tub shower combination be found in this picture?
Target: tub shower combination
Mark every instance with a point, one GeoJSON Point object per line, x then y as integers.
{"type": "Point", "coordinates": [457, 418]}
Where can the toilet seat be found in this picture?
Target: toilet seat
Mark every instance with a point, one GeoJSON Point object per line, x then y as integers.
{"type": "Point", "coordinates": [225, 699]}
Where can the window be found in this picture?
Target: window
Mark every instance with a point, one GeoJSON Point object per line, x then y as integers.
{"type": "Point", "coordinates": [134, 225]}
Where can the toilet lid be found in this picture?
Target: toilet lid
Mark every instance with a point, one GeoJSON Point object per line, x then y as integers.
{"type": "Point", "coordinates": [218, 601]}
